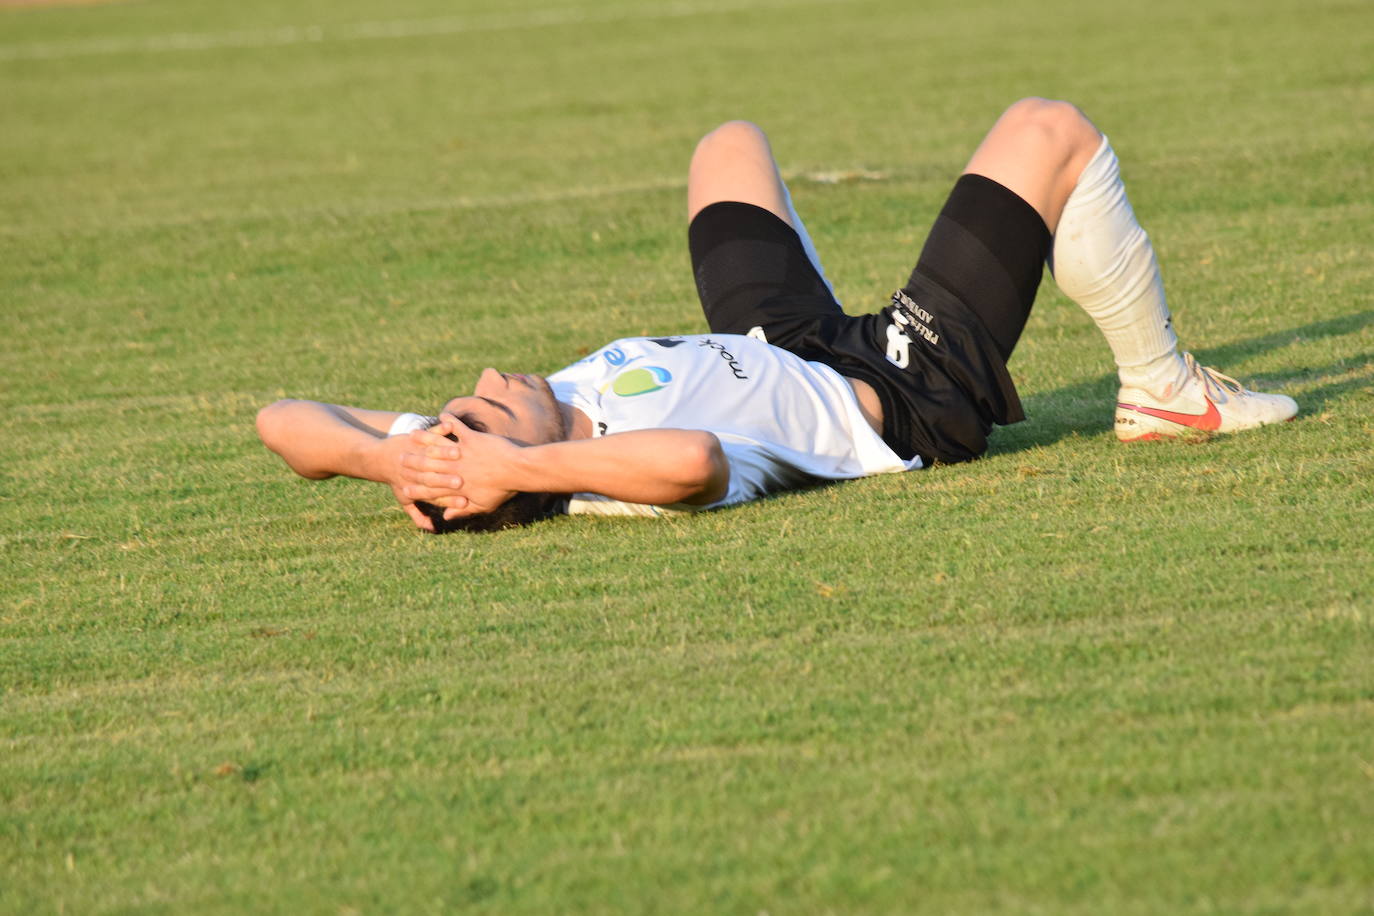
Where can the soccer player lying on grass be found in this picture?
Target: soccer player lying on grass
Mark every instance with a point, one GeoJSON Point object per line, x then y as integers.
{"type": "Point", "coordinates": [787, 389]}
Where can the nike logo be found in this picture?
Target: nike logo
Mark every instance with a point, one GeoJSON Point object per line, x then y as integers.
{"type": "Point", "coordinates": [1208, 420]}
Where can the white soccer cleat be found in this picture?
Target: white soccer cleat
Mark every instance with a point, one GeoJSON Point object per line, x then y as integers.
{"type": "Point", "coordinates": [1207, 403]}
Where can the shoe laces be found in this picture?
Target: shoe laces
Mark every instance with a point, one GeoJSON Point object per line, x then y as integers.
{"type": "Point", "coordinates": [1212, 380]}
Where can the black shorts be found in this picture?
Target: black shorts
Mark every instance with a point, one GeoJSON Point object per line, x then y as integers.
{"type": "Point", "coordinates": [936, 356]}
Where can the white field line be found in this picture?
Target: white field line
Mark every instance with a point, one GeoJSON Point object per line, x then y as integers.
{"type": "Point", "coordinates": [344, 211]}
{"type": "Point", "coordinates": [432, 205]}
{"type": "Point", "coordinates": [395, 28]}
{"type": "Point", "coordinates": [533, 197]}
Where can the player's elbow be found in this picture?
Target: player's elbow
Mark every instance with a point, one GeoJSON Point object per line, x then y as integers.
{"type": "Point", "coordinates": [280, 430]}
{"type": "Point", "coordinates": [272, 424]}
{"type": "Point", "coordinates": [705, 473]}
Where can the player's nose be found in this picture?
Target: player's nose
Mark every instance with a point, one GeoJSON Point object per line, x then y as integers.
{"type": "Point", "coordinates": [490, 380]}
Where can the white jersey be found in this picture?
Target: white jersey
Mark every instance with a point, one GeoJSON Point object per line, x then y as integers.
{"type": "Point", "coordinates": [782, 421]}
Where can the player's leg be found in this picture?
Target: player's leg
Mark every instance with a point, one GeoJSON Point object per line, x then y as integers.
{"type": "Point", "coordinates": [989, 243]}
{"type": "Point", "coordinates": [735, 162]}
{"type": "Point", "coordinates": [733, 165]}
{"type": "Point", "coordinates": [1049, 153]}
{"type": "Point", "coordinates": [1037, 149]}
{"type": "Point", "coordinates": [1052, 156]}
{"type": "Point", "coordinates": [757, 271]}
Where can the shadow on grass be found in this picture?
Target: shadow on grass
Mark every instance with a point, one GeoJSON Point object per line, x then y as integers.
{"type": "Point", "coordinates": [1086, 407]}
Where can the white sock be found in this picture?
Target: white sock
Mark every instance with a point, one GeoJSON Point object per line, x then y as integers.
{"type": "Point", "coordinates": [1103, 260]}
{"type": "Point", "coordinates": [798, 225]}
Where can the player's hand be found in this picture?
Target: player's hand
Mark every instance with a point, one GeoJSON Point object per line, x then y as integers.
{"type": "Point", "coordinates": [385, 457]}
{"type": "Point", "coordinates": [464, 477]}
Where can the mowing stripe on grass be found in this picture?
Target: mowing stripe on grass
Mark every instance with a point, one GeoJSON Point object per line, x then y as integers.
{"type": "Point", "coordinates": [395, 28]}
{"type": "Point", "coordinates": [442, 204]}
{"type": "Point", "coordinates": [373, 208]}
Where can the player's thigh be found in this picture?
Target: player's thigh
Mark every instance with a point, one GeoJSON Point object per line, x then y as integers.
{"type": "Point", "coordinates": [987, 249]}
{"type": "Point", "coordinates": [753, 273]}
{"type": "Point", "coordinates": [1037, 149]}
{"type": "Point", "coordinates": [735, 162]}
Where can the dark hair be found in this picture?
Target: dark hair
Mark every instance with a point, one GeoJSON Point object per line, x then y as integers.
{"type": "Point", "coordinates": [520, 509]}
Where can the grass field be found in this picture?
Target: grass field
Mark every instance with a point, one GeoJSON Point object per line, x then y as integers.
{"type": "Point", "coordinates": [1073, 677]}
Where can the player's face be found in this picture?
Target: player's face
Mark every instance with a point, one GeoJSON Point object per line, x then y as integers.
{"type": "Point", "coordinates": [520, 407]}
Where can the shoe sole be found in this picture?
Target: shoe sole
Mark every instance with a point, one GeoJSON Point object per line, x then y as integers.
{"type": "Point", "coordinates": [1154, 424]}
{"type": "Point", "coordinates": [1185, 433]}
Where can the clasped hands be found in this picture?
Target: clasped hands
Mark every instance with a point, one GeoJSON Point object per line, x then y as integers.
{"type": "Point", "coordinates": [465, 477]}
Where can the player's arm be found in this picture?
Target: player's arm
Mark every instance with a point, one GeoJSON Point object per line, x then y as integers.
{"type": "Point", "coordinates": [319, 440]}
{"type": "Point", "coordinates": [479, 472]}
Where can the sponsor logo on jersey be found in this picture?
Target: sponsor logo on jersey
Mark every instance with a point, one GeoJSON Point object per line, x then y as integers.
{"type": "Point", "coordinates": [616, 357]}
{"type": "Point", "coordinates": [668, 342]}
{"type": "Point", "coordinates": [639, 380]}
{"type": "Point", "coordinates": [725, 355]}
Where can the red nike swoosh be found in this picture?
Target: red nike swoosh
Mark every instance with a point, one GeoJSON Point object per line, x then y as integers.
{"type": "Point", "coordinates": [1208, 420]}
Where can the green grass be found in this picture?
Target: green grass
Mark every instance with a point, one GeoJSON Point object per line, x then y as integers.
{"type": "Point", "coordinates": [1072, 677]}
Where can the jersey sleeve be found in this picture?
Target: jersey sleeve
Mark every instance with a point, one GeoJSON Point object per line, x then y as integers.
{"type": "Point", "coordinates": [407, 422]}
{"type": "Point", "coordinates": [756, 470]}
{"type": "Point", "coordinates": [596, 504]}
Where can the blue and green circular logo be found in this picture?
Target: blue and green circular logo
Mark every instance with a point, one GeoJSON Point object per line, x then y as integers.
{"type": "Point", "coordinates": [641, 380]}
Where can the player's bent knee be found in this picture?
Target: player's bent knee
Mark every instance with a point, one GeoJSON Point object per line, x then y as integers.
{"type": "Point", "coordinates": [737, 131]}
{"type": "Point", "coordinates": [733, 138]}
{"type": "Point", "coordinates": [1050, 123]}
